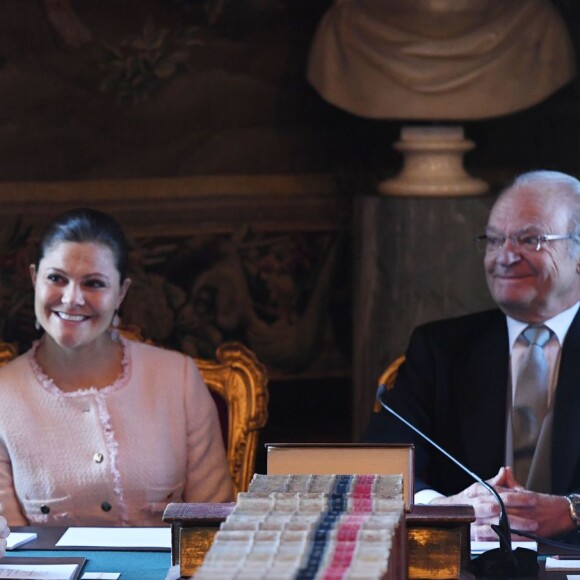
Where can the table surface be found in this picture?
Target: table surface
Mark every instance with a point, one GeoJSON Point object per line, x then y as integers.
{"type": "Point", "coordinates": [132, 564]}
{"type": "Point", "coordinates": [142, 564]}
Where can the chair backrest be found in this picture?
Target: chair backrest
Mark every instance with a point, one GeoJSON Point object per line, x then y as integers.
{"type": "Point", "coordinates": [7, 352]}
{"type": "Point", "coordinates": [241, 381]}
{"type": "Point", "coordinates": [388, 378]}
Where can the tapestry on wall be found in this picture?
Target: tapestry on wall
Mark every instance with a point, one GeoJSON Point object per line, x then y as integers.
{"type": "Point", "coordinates": [283, 294]}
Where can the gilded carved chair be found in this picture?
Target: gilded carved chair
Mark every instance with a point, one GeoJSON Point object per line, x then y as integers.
{"type": "Point", "coordinates": [388, 378]}
{"type": "Point", "coordinates": [7, 352]}
{"type": "Point", "coordinates": [241, 381]}
{"type": "Point", "coordinates": [239, 385]}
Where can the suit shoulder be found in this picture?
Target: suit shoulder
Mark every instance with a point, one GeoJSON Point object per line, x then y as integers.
{"type": "Point", "coordinates": [464, 325]}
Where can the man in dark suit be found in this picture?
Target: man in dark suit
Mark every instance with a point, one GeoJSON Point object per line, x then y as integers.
{"type": "Point", "coordinates": [464, 379]}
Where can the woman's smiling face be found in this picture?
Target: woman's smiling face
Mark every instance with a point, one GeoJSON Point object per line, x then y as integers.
{"type": "Point", "coordinates": [77, 291]}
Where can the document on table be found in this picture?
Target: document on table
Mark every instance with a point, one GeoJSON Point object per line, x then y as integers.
{"type": "Point", "coordinates": [480, 547]}
{"type": "Point", "coordinates": [117, 538]}
{"type": "Point", "coordinates": [39, 571]}
{"type": "Point", "coordinates": [562, 563]}
{"type": "Point", "coordinates": [52, 568]}
{"type": "Point", "coordinates": [16, 539]}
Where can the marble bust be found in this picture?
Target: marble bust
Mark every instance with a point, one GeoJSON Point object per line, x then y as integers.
{"type": "Point", "coordinates": [439, 59]}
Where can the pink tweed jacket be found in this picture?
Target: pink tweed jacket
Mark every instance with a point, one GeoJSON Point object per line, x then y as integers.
{"type": "Point", "coordinates": [112, 456]}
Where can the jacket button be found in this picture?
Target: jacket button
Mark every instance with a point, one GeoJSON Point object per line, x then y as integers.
{"type": "Point", "coordinates": [98, 457]}
{"type": "Point", "coordinates": [106, 506]}
{"type": "Point", "coordinates": [44, 509]}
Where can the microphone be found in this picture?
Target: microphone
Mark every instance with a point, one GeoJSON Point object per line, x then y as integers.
{"type": "Point", "coordinates": [502, 562]}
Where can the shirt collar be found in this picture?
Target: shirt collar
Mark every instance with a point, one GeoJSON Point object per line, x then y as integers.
{"type": "Point", "coordinates": [559, 325]}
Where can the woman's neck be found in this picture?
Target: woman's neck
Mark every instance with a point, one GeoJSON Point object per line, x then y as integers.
{"type": "Point", "coordinates": [97, 365]}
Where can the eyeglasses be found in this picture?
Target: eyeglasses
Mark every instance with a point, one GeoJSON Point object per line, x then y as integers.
{"type": "Point", "coordinates": [490, 244]}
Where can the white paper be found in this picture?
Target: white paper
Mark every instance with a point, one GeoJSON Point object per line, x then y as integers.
{"type": "Point", "coordinates": [38, 571]}
{"type": "Point", "coordinates": [562, 564]}
{"type": "Point", "coordinates": [117, 537]}
{"type": "Point", "coordinates": [100, 575]}
{"type": "Point", "coordinates": [478, 547]}
{"type": "Point", "coordinates": [16, 539]}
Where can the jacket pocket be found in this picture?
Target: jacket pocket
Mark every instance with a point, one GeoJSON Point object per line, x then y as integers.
{"type": "Point", "coordinates": [45, 510]}
{"type": "Point", "coordinates": [157, 498]}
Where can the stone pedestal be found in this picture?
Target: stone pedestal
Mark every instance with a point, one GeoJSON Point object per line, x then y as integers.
{"type": "Point", "coordinates": [415, 261]}
{"type": "Point", "coordinates": [433, 164]}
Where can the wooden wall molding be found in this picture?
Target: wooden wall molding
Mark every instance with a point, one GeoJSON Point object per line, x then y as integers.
{"type": "Point", "coordinates": [180, 206]}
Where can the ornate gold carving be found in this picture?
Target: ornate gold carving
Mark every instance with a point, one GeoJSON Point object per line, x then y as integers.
{"type": "Point", "coordinates": [241, 381]}
{"type": "Point", "coordinates": [7, 353]}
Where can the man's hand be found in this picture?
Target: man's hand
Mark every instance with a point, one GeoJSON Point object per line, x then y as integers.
{"type": "Point", "coordinates": [551, 513]}
{"type": "Point", "coordinates": [4, 533]}
{"type": "Point", "coordinates": [528, 511]}
{"type": "Point", "coordinates": [505, 478]}
{"type": "Point", "coordinates": [487, 508]}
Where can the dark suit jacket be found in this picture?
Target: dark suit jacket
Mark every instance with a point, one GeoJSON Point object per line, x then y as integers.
{"type": "Point", "coordinates": [453, 386]}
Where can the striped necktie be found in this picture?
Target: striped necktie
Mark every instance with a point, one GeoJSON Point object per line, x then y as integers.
{"type": "Point", "coordinates": [531, 399]}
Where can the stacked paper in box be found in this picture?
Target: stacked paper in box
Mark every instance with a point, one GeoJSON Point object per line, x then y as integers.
{"type": "Point", "coordinates": [312, 527]}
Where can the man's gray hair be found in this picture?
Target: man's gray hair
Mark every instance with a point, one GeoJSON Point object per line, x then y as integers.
{"type": "Point", "coordinates": [558, 183]}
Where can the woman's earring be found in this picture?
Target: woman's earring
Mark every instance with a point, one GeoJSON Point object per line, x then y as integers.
{"type": "Point", "coordinates": [114, 328]}
{"type": "Point", "coordinates": [37, 325]}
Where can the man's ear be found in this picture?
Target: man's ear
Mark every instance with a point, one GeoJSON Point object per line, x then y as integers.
{"type": "Point", "coordinates": [32, 270]}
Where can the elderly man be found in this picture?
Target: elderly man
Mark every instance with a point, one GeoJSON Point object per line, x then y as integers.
{"type": "Point", "coordinates": [500, 389]}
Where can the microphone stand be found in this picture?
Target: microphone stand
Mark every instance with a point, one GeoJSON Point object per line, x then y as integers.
{"type": "Point", "coordinates": [502, 562]}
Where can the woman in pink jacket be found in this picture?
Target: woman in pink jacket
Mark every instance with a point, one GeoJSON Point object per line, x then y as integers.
{"type": "Point", "coordinates": [96, 429]}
